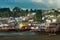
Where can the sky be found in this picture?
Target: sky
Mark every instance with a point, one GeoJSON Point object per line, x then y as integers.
{"type": "Point", "coordinates": [31, 4]}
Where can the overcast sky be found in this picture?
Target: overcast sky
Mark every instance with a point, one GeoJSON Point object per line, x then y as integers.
{"type": "Point", "coordinates": [34, 4]}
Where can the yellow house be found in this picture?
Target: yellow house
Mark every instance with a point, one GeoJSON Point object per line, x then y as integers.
{"type": "Point", "coordinates": [22, 25]}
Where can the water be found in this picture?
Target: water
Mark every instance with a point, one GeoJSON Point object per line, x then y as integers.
{"type": "Point", "coordinates": [18, 34]}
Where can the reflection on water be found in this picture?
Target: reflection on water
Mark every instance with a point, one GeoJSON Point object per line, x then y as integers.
{"type": "Point", "coordinates": [18, 34]}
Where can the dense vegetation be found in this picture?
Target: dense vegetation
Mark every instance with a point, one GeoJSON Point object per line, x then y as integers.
{"type": "Point", "coordinates": [17, 12]}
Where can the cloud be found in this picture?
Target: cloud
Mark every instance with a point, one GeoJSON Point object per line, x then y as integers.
{"type": "Point", "coordinates": [50, 2]}
{"type": "Point", "coordinates": [31, 3]}
{"type": "Point", "coordinates": [37, 1]}
{"type": "Point", "coordinates": [58, 3]}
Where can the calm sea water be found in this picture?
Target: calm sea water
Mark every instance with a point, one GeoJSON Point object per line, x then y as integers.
{"type": "Point", "coordinates": [18, 34]}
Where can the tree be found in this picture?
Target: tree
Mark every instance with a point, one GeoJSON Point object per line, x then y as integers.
{"type": "Point", "coordinates": [31, 10]}
{"type": "Point", "coordinates": [26, 12]}
{"type": "Point", "coordinates": [5, 12]}
{"type": "Point", "coordinates": [39, 15]}
{"type": "Point", "coordinates": [16, 11]}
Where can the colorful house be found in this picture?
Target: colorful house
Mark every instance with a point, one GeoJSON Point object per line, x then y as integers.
{"type": "Point", "coordinates": [23, 25]}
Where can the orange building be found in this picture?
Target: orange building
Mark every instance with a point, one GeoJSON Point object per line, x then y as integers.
{"type": "Point", "coordinates": [30, 15]}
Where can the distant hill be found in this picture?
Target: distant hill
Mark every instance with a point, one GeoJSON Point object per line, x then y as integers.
{"type": "Point", "coordinates": [5, 12]}
{"type": "Point", "coordinates": [4, 9]}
